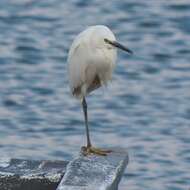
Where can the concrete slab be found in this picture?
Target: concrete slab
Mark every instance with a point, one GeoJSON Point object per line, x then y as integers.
{"type": "Point", "coordinates": [19, 174]}
{"type": "Point", "coordinates": [95, 172]}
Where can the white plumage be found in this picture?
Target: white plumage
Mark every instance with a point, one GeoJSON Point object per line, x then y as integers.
{"type": "Point", "coordinates": [90, 57]}
{"type": "Point", "coordinates": [91, 62]}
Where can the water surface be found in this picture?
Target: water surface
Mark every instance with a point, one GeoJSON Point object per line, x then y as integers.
{"type": "Point", "coordinates": [145, 109]}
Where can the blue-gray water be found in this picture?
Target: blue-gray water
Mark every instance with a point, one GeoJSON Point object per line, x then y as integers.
{"type": "Point", "coordinates": [145, 109]}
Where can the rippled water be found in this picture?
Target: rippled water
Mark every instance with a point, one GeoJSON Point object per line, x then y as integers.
{"type": "Point", "coordinates": [145, 109]}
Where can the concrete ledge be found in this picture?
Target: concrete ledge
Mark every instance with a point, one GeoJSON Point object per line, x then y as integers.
{"type": "Point", "coordinates": [95, 172]}
{"type": "Point", "coordinates": [83, 173]}
{"type": "Point", "coordinates": [17, 174]}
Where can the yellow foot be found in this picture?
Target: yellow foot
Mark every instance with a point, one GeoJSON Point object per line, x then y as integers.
{"type": "Point", "coordinates": [92, 150]}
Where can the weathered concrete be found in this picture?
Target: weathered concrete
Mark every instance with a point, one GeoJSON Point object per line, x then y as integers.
{"type": "Point", "coordinates": [83, 173]}
{"type": "Point", "coordinates": [95, 172]}
{"type": "Point", "coordinates": [17, 174]}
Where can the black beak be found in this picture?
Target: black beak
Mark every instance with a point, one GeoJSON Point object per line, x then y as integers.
{"type": "Point", "coordinates": [118, 45]}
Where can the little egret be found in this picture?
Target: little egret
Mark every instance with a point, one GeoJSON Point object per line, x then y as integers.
{"type": "Point", "coordinates": [91, 60]}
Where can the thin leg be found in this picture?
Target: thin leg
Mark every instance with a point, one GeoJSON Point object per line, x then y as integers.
{"type": "Point", "coordinates": [84, 106]}
{"type": "Point", "coordinates": [89, 149]}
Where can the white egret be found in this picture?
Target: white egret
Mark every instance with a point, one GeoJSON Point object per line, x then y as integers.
{"type": "Point", "coordinates": [91, 60]}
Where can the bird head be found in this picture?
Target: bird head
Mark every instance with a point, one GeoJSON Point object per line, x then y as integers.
{"type": "Point", "coordinates": [103, 37]}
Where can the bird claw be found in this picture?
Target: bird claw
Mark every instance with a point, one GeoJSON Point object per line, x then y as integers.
{"type": "Point", "coordinates": [92, 150]}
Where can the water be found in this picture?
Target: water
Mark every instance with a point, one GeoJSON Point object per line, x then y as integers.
{"type": "Point", "coordinates": [145, 109]}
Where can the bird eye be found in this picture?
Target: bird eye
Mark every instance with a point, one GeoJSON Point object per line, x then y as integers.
{"type": "Point", "coordinates": [106, 40]}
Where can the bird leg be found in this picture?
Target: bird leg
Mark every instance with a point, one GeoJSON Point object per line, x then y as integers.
{"type": "Point", "coordinates": [92, 150]}
{"type": "Point", "coordinates": [84, 105]}
{"type": "Point", "coordinates": [89, 149]}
